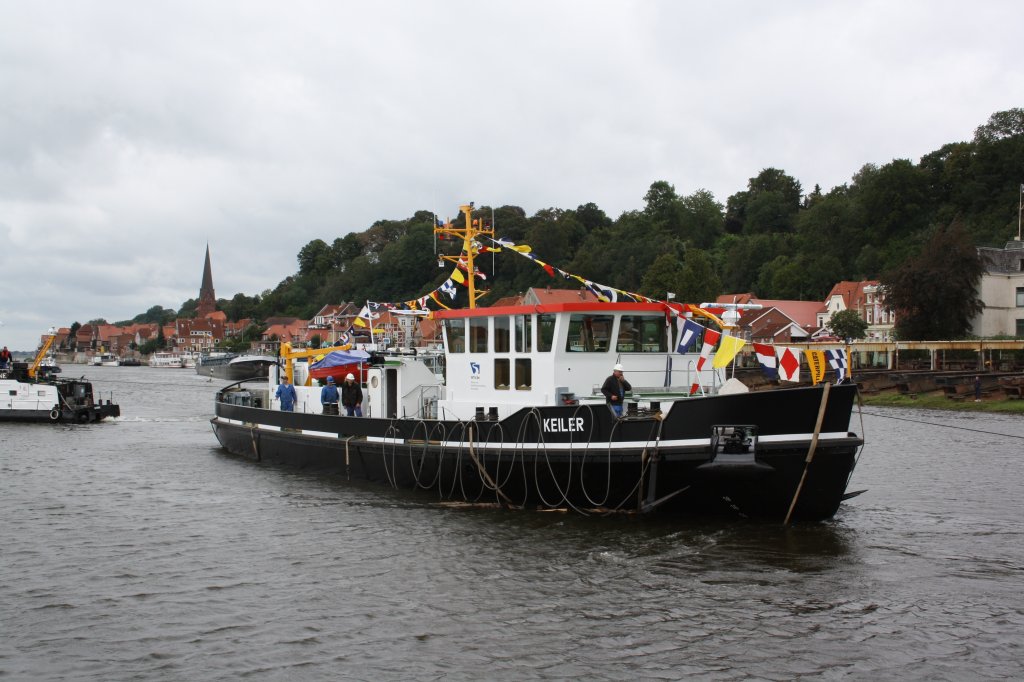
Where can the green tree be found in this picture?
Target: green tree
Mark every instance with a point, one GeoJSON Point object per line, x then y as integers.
{"type": "Point", "coordinates": [698, 282]}
{"type": "Point", "coordinates": [345, 249]}
{"type": "Point", "coordinates": [847, 324]}
{"type": "Point", "coordinates": [702, 219]}
{"type": "Point", "coordinates": [770, 204]}
{"type": "Point", "coordinates": [155, 315]}
{"type": "Point", "coordinates": [1001, 125]}
{"type": "Point", "coordinates": [315, 258]}
{"type": "Point", "coordinates": [935, 294]}
{"type": "Point", "coordinates": [592, 217]}
{"type": "Point", "coordinates": [662, 277]}
{"type": "Point", "coordinates": [663, 208]}
{"type": "Point", "coordinates": [188, 309]}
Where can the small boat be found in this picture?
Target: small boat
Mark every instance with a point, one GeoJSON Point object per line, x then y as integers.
{"type": "Point", "coordinates": [105, 360]}
{"type": "Point", "coordinates": [28, 394]}
{"type": "Point", "coordinates": [234, 367]}
{"type": "Point", "coordinates": [49, 365]}
{"type": "Point", "coordinates": [510, 411]}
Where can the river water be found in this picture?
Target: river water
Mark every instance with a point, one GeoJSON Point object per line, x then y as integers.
{"type": "Point", "coordinates": [136, 549]}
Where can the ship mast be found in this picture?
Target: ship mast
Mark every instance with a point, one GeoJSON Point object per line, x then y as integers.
{"type": "Point", "coordinates": [468, 233]}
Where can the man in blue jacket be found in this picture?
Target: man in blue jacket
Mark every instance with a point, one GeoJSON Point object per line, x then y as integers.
{"type": "Point", "coordinates": [329, 397]}
{"type": "Point", "coordinates": [286, 394]}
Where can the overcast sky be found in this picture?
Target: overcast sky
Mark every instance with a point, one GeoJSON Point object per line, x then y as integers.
{"type": "Point", "coordinates": [134, 133]}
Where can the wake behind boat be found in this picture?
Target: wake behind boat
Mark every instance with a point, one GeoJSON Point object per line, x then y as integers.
{"type": "Point", "coordinates": [511, 411]}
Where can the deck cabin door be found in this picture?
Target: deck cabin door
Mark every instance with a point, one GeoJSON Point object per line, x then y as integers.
{"type": "Point", "coordinates": [391, 393]}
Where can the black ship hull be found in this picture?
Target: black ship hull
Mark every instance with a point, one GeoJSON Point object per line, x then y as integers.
{"type": "Point", "coordinates": [235, 371]}
{"type": "Point", "coordinates": [744, 453]}
{"type": "Point", "coordinates": [67, 415]}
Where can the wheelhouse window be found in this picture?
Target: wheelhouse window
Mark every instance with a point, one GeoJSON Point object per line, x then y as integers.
{"type": "Point", "coordinates": [455, 333]}
{"type": "Point", "coordinates": [588, 333]}
{"type": "Point", "coordinates": [501, 334]}
{"type": "Point", "coordinates": [545, 332]}
{"type": "Point", "coordinates": [478, 335]}
{"type": "Point", "coordinates": [629, 335]}
{"type": "Point", "coordinates": [642, 334]}
{"type": "Point", "coordinates": [524, 374]}
{"type": "Point", "coordinates": [653, 334]}
{"type": "Point", "coordinates": [524, 333]}
{"type": "Point", "coordinates": [501, 374]}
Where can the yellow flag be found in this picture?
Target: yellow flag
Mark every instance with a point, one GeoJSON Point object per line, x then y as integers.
{"type": "Point", "coordinates": [521, 248]}
{"type": "Point", "coordinates": [727, 350]}
{"type": "Point", "coordinates": [457, 276]}
{"type": "Point", "coordinates": [816, 363]}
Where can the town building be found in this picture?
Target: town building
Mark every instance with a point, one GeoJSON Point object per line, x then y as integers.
{"type": "Point", "coordinates": [867, 299]}
{"type": "Point", "coordinates": [1002, 291]}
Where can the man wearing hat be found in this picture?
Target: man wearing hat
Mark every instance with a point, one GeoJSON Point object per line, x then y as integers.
{"type": "Point", "coordinates": [352, 396]}
{"type": "Point", "coordinates": [614, 390]}
{"type": "Point", "coordinates": [329, 397]}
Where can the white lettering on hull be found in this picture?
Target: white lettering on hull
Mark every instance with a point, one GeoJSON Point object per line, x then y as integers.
{"type": "Point", "coordinates": [563, 425]}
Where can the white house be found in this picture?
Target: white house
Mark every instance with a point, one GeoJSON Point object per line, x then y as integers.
{"type": "Point", "coordinates": [1002, 291]}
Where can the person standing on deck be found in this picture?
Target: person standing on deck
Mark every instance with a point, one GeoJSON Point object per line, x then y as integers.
{"type": "Point", "coordinates": [286, 394]}
{"type": "Point", "coordinates": [614, 390]}
{"type": "Point", "coordinates": [329, 397]}
{"type": "Point", "coordinates": [352, 396]}
{"type": "Point", "coordinates": [5, 358]}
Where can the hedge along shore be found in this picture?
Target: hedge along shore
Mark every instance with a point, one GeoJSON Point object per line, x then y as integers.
{"type": "Point", "coordinates": [941, 402]}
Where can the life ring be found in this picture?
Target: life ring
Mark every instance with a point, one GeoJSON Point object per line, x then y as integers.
{"type": "Point", "coordinates": [54, 414]}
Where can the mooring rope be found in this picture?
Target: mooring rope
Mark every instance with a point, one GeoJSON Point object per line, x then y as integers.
{"type": "Point", "coordinates": [948, 426]}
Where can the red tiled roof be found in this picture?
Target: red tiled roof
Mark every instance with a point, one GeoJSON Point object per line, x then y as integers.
{"type": "Point", "coordinates": [803, 313]}
{"type": "Point", "coordinates": [852, 293]}
{"type": "Point", "coordinates": [507, 300]}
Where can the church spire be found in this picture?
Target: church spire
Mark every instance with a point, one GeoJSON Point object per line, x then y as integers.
{"type": "Point", "coordinates": [207, 299]}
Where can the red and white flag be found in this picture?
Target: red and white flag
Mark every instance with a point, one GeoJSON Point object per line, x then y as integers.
{"type": "Point", "coordinates": [789, 363]}
{"type": "Point", "coordinates": [710, 340]}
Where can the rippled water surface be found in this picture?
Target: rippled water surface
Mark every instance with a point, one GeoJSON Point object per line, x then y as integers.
{"type": "Point", "coordinates": [136, 549]}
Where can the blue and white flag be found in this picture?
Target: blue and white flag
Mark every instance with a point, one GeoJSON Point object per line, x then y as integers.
{"type": "Point", "coordinates": [448, 288]}
{"type": "Point", "coordinates": [688, 335]}
{"type": "Point", "coordinates": [839, 361]}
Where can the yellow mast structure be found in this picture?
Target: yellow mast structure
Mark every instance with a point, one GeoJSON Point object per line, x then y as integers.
{"type": "Point", "coordinates": [50, 336]}
{"type": "Point", "coordinates": [468, 234]}
{"type": "Point", "coordinates": [287, 354]}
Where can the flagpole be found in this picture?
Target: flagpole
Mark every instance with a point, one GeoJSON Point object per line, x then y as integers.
{"type": "Point", "coordinates": [1020, 209]}
{"type": "Point", "coordinates": [369, 316]}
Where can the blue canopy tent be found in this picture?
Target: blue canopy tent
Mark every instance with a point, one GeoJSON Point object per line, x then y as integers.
{"type": "Point", "coordinates": [338, 363]}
